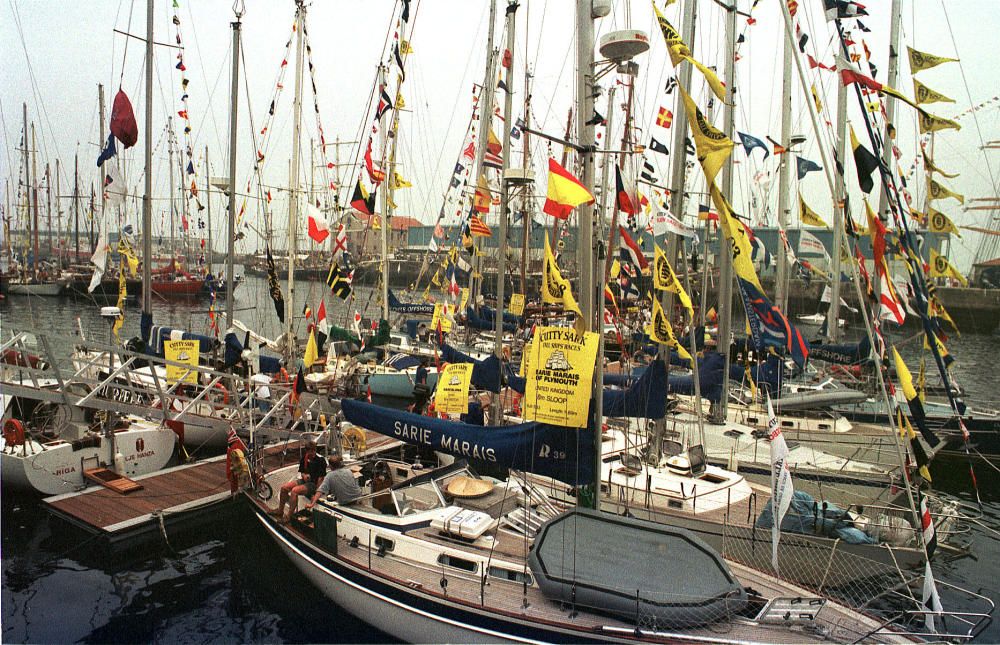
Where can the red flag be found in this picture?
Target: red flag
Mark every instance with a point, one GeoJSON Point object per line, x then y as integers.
{"type": "Point", "coordinates": [623, 196]}
{"type": "Point", "coordinates": [319, 230]}
{"type": "Point", "coordinates": [634, 250]}
{"type": "Point", "coordinates": [123, 124]}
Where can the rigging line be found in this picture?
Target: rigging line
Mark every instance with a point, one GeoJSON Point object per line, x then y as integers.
{"type": "Point", "coordinates": [128, 30]}
{"type": "Point", "coordinates": [202, 67]}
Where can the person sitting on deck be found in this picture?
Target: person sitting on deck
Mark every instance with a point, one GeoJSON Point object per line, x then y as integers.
{"type": "Point", "coordinates": [237, 467]}
{"type": "Point", "coordinates": [339, 482]}
{"type": "Point", "coordinates": [312, 468]}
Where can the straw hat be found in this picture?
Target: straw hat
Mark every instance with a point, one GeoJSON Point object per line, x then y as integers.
{"type": "Point", "coordinates": [469, 487]}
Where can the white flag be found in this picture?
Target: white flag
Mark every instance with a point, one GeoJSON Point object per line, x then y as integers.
{"type": "Point", "coordinates": [100, 257]}
{"type": "Point", "coordinates": [930, 601]}
{"type": "Point", "coordinates": [115, 190]}
{"type": "Point", "coordinates": [781, 480]}
{"type": "Point", "coordinates": [665, 222]}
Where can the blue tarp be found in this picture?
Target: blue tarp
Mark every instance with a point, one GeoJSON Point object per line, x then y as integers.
{"type": "Point", "coordinates": [847, 354]}
{"type": "Point", "coordinates": [767, 373]}
{"type": "Point", "coordinates": [159, 334]}
{"type": "Point", "coordinates": [489, 312]}
{"type": "Point", "coordinates": [805, 517]}
{"type": "Point", "coordinates": [407, 307]}
{"type": "Point", "coordinates": [234, 350]}
{"type": "Point", "coordinates": [566, 454]}
{"type": "Point", "coordinates": [476, 321]}
{"type": "Point", "coordinates": [485, 373]}
{"type": "Point", "coordinates": [645, 398]}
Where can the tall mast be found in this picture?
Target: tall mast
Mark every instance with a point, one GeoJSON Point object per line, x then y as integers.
{"type": "Point", "coordinates": [384, 228]}
{"type": "Point", "coordinates": [725, 259]}
{"type": "Point", "coordinates": [208, 215]}
{"type": "Point", "coordinates": [147, 194]}
{"type": "Point", "coordinates": [485, 123]}
{"type": "Point", "coordinates": [76, 206]}
{"type": "Point", "coordinates": [34, 195]}
{"type": "Point", "coordinates": [784, 211]}
{"type": "Point", "coordinates": [101, 142]}
{"type": "Point", "coordinates": [170, 167]}
{"type": "Point", "coordinates": [587, 256]}
{"type": "Point", "coordinates": [293, 183]}
{"type": "Point", "coordinates": [895, 18]}
{"type": "Point", "coordinates": [839, 204]}
{"type": "Point", "coordinates": [527, 218]}
{"type": "Point", "coordinates": [504, 199]}
{"type": "Point", "coordinates": [59, 229]}
{"type": "Point", "coordinates": [48, 206]}
{"type": "Point", "coordinates": [27, 176]}
{"type": "Point", "coordinates": [231, 215]}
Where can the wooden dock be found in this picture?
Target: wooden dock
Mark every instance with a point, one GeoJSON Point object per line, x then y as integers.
{"type": "Point", "coordinates": [168, 498]}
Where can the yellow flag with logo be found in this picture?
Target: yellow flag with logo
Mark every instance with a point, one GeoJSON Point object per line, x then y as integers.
{"type": "Point", "coordinates": [665, 279]}
{"type": "Point", "coordinates": [737, 236]}
{"type": "Point", "coordinates": [712, 146]}
{"type": "Point", "coordinates": [938, 191]}
{"type": "Point", "coordinates": [920, 60]}
{"type": "Point", "coordinates": [938, 222]}
{"type": "Point", "coordinates": [452, 393]}
{"type": "Point", "coordinates": [398, 181]}
{"type": "Point", "coordinates": [931, 123]}
{"type": "Point", "coordinates": [464, 299]}
{"type": "Point", "coordinates": [681, 52]}
{"type": "Point", "coordinates": [555, 288]}
{"type": "Point", "coordinates": [929, 165]}
{"type": "Point", "coordinates": [660, 331]}
{"type": "Point", "coordinates": [186, 353]}
{"type": "Point", "coordinates": [925, 94]}
{"type": "Point", "coordinates": [942, 268]}
{"type": "Point", "coordinates": [560, 376]}
{"type": "Point", "coordinates": [517, 304]}
{"type": "Point", "coordinates": [808, 216]}
{"type": "Point", "coordinates": [440, 317]}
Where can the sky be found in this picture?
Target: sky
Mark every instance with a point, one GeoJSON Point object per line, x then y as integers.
{"type": "Point", "coordinates": [57, 53]}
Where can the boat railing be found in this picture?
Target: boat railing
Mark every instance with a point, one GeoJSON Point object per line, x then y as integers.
{"type": "Point", "coordinates": [948, 625]}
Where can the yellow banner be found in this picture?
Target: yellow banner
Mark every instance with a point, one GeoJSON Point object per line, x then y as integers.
{"type": "Point", "coordinates": [452, 394]}
{"type": "Point", "coordinates": [941, 223]}
{"type": "Point", "coordinates": [665, 279]}
{"type": "Point", "coordinates": [939, 191]}
{"type": "Point", "coordinates": [441, 311]}
{"type": "Point", "coordinates": [929, 165]}
{"type": "Point", "coordinates": [925, 94]}
{"type": "Point", "coordinates": [560, 374]}
{"type": "Point", "coordinates": [464, 300]}
{"type": "Point", "coordinates": [181, 351]}
{"type": "Point", "coordinates": [808, 216]}
{"type": "Point", "coordinates": [517, 304]}
{"type": "Point", "coordinates": [712, 145]}
{"type": "Point", "coordinates": [737, 236]}
{"type": "Point", "coordinates": [942, 268]}
{"type": "Point", "coordinates": [555, 288]}
{"type": "Point", "coordinates": [931, 123]}
{"type": "Point", "coordinates": [922, 60]}
{"type": "Point", "coordinates": [659, 331]}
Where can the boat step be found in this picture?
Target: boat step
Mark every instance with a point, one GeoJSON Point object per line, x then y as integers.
{"type": "Point", "coordinates": [111, 479]}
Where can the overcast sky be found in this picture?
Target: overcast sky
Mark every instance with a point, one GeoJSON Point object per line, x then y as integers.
{"type": "Point", "coordinates": [55, 54]}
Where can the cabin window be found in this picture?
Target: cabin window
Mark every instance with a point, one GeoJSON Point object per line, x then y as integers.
{"type": "Point", "coordinates": [673, 503]}
{"type": "Point", "coordinates": [787, 424]}
{"type": "Point", "coordinates": [402, 472]}
{"type": "Point", "coordinates": [824, 426]}
{"type": "Point", "coordinates": [753, 420]}
{"type": "Point", "coordinates": [456, 562]}
{"type": "Point", "coordinates": [384, 543]}
{"type": "Point", "coordinates": [500, 573]}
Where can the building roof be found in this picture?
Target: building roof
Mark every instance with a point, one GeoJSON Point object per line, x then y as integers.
{"type": "Point", "coordinates": [399, 222]}
{"type": "Point", "coordinates": [995, 262]}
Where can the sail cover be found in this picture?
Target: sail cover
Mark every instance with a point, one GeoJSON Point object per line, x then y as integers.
{"type": "Point", "coordinates": [486, 321]}
{"type": "Point", "coordinates": [408, 307]}
{"type": "Point", "coordinates": [566, 454]}
{"type": "Point", "coordinates": [485, 373]}
{"type": "Point", "coordinates": [849, 354]}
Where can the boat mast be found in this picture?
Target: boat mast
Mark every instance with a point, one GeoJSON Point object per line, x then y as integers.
{"type": "Point", "coordinates": [48, 206]}
{"type": "Point", "coordinates": [725, 258]}
{"type": "Point", "coordinates": [485, 123]}
{"type": "Point", "coordinates": [147, 194]}
{"type": "Point", "coordinates": [76, 206]}
{"type": "Point", "coordinates": [384, 228]}
{"type": "Point", "coordinates": [34, 195]}
{"type": "Point", "coordinates": [784, 209]}
{"type": "Point", "coordinates": [839, 206]}
{"type": "Point", "coordinates": [27, 180]}
{"type": "Point", "coordinates": [170, 183]}
{"type": "Point", "coordinates": [527, 217]}
{"type": "Point", "coordinates": [208, 214]}
{"type": "Point", "coordinates": [892, 78]}
{"type": "Point", "coordinates": [586, 253]}
{"type": "Point", "coordinates": [59, 229]}
{"type": "Point", "coordinates": [231, 215]}
{"type": "Point", "coordinates": [293, 183]}
{"type": "Point", "coordinates": [505, 188]}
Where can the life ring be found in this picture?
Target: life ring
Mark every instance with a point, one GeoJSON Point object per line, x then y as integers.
{"type": "Point", "coordinates": [282, 376]}
{"type": "Point", "coordinates": [13, 432]}
{"type": "Point", "coordinates": [353, 440]}
{"type": "Point", "coordinates": [214, 397]}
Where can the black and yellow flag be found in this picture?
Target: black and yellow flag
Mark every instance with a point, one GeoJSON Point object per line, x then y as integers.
{"type": "Point", "coordinates": [680, 52]}
{"type": "Point", "coordinates": [665, 279]}
{"type": "Point", "coordinates": [737, 236]}
{"type": "Point", "coordinates": [937, 191]}
{"type": "Point", "coordinates": [808, 216]}
{"type": "Point", "coordinates": [659, 331]}
{"type": "Point", "coordinates": [920, 61]}
{"type": "Point", "coordinates": [924, 94]}
{"type": "Point", "coordinates": [929, 165]}
{"type": "Point", "coordinates": [712, 146]}
{"type": "Point", "coordinates": [942, 268]}
{"type": "Point", "coordinates": [555, 288]}
{"type": "Point", "coordinates": [865, 162]}
{"type": "Point", "coordinates": [912, 400]}
{"type": "Point", "coordinates": [938, 222]}
{"type": "Point", "coordinates": [339, 281]}
{"type": "Point", "coordinates": [273, 288]}
{"type": "Point", "coordinates": [930, 123]}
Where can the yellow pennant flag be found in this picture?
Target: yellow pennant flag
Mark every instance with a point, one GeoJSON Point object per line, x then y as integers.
{"type": "Point", "coordinates": [815, 95]}
{"type": "Point", "coordinates": [122, 297]}
{"type": "Point", "coordinates": [400, 103]}
{"type": "Point", "coordinates": [937, 191]}
{"type": "Point", "coordinates": [405, 47]}
{"type": "Point", "coordinates": [555, 288]}
{"type": "Point", "coordinates": [920, 61]}
{"type": "Point", "coordinates": [616, 269]}
{"type": "Point", "coordinates": [737, 236]}
{"type": "Point", "coordinates": [942, 268]}
{"type": "Point", "coordinates": [941, 223]}
{"type": "Point", "coordinates": [665, 279]}
{"type": "Point", "coordinates": [680, 52]}
{"type": "Point", "coordinates": [659, 331]}
{"type": "Point", "coordinates": [930, 123]}
{"type": "Point", "coordinates": [937, 310]}
{"type": "Point", "coordinates": [922, 380]}
{"type": "Point", "coordinates": [808, 216]}
{"type": "Point", "coordinates": [925, 94]}
{"type": "Point", "coordinates": [398, 181]}
{"type": "Point", "coordinates": [918, 217]}
{"type": "Point", "coordinates": [713, 147]}
{"type": "Point", "coordinates": [929, 165]}
{"type": "Point", "coordinates": [312, 351]}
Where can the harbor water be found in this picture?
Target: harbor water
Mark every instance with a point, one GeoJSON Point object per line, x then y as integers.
{"type": "Point", "coordinates": [228, 582]}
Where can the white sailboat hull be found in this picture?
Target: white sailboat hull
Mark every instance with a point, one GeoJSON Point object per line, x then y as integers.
{"type": "Point", "coordinates": [57, 467]}
{"type": "Point", "coordinates": [28, 289]}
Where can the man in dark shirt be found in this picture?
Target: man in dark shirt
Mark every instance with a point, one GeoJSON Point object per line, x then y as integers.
{"type": "Point", "coordinates": [312, 469]}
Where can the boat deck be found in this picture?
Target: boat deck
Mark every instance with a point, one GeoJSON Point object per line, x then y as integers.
{"type": "Point", "coordinates": [174, 496]}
